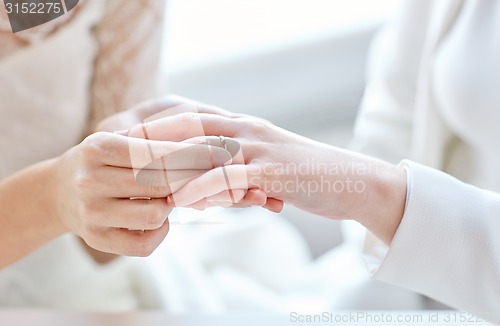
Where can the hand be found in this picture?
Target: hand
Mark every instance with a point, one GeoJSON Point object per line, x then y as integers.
{"type": "Point", "coordinates": [112, 190]}
{"type": "Point", "coordinates": [318, 178]}
{"type": "Point", "coordinates": [131, 122]}
{"type": "Point", "coordinates": [157, 108]}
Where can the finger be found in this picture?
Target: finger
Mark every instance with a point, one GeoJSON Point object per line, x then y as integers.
{"type": "Point", "coordinates": [257, 197]}
{"type": "Point", "coordinates": [176, 100]}
{"type": "Point", "coordinates": [120, 151]}
{"type": "Point", "coordinates": [161, 155]}
{"type": "Point", "coordinates": [171, 105]}
{"type": "Point", "coordinates": [227, 198]}
{"type": "Point", "coordinates": [133, 214]}
{"type": "Point", "coordinates": [186, 125]}
{"type": "Point", "coordinates": [169, 181]}
{"type": "Point", "coordinates": [274, 205]}
{"type": "Point", "coordinates": [222, 199]}
{"type": "Point", "coordinates": [200, 205]}
{"type": "Point", "coordinates": [254, 197]}
{"type": "Point", "coordinates": [126, 242]}
{"type": "Point", "coordinates": [229, 144]}
{"type": "Point", "coordinates": [124, 183]}
{"type": "Point", "coordinates": [211, 183]}
{"type": "Point", "coordinates": [175, 104]}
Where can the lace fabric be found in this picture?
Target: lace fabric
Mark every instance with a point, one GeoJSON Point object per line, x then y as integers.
{"type": "Point", "coordinates": [127, 67]}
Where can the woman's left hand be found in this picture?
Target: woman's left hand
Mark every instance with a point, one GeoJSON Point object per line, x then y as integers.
{"type": "Point", "coordinates": [172, 105]}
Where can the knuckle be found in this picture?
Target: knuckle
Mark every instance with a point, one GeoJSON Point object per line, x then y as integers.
{"type": "Point", "coordinates": [218, 110]}
{"type": "Point", "coordinates": [260, 126]}
{"type": "Point", "coordinates": [145, 243]}
{"type": "Point", "coordinates": [187, 116]}
{"type": "Point", "coordinates": [94, 145]}
{"type": "Point", "coordinates": [91, 241]}
{"type": "Point", "coordinates": [89, 150]}
{"type": "Point", "coordinates": [254, 128]}
{"type": "Point", "coordinates": [84, 183]}
{"type": "Point", "coordinates": [88, 213]}
{"type": "Point", "coordinates": [91, 236]}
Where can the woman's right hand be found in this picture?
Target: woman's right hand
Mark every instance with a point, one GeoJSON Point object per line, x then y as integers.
{"type": "Point", "coordinates": [101, 189]}
{"type": "Point", "coordinates": [315, 177]}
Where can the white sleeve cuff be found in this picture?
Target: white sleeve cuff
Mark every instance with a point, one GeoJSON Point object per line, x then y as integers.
{"type": "Point", "coordinates": [375, 250]}
{"type": "Point", "coordinates": [446, 246]}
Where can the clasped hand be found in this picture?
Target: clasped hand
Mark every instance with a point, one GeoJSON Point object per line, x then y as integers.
{"type": "Point", "coordinates": [114, 190]}
{"type": "Point", "coordinates": [120, 187]}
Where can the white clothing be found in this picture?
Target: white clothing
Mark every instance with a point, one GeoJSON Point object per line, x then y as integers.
{"type": "Point", "coordinates": [432, 96]}
{"type": "Point", "coordinates": [47, 88]}
{"type": "Point", "coordinates": [42, 116]}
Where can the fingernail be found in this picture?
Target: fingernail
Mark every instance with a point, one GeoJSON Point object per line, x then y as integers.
{"type": "Point", "coordinates": [221, 157]}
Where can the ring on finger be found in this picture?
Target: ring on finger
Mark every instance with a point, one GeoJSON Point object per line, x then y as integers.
{"type": "Point", "coordinates": [223, 143]}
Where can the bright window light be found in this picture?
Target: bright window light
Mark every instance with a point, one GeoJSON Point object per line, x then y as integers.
{"type": "Point", "coordinates": [199, 30]}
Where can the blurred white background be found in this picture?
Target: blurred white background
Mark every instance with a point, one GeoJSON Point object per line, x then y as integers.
{"type": "Point", "coordinates": [298, 63]}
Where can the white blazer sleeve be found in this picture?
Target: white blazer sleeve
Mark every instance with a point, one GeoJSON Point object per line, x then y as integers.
{"type": "Point", "coordinates": [384, 125]}
{"type": "Point", "coordinates": [447, 245]}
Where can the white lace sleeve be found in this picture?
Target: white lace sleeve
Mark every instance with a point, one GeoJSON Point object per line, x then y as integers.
{"type": "Point", "coordinates": [126, 69]}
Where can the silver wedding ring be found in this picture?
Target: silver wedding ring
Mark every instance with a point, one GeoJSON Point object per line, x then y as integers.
{"type": "Point", "coordinates": [223, 143]}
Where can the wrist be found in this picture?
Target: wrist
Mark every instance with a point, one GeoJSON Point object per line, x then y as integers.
{"type": "Point", "coordinates": [50, 198]}
{"type": "Point", "coordinates": [385, 201]}
{"type": "Point", "coordinates": [25, 212]}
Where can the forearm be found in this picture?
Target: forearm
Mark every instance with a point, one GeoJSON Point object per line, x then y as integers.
{"type": "Point", "coordinates": [318, 178]}
{"type": "Point", "coordinates": [373, 192]}
{"type": "Point", "coordinates": [315, 177]}
{"type": "Point", "coordinates": [385, 201]}
{"type": "Point", "coordinates": [341, 184]}
{"type": "Point", "coordinates": [25, 213]}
